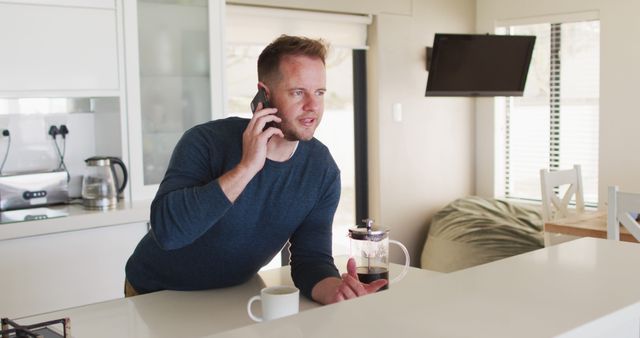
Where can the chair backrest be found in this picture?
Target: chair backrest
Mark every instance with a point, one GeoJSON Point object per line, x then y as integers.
{"type": "Point", "coordinates": [554, 207]}
{"type": "Point", "coordinates": [623, 209]}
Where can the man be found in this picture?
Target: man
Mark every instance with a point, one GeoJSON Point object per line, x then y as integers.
{"type": "Point", "coordinates": [236, 190]}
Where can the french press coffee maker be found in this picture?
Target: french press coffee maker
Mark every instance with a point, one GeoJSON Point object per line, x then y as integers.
{"type": "Point", "coordinates": [370, 249]}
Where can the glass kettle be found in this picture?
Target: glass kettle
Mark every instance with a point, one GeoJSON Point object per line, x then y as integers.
{"type": "Point", "coordinates": [100, 186]}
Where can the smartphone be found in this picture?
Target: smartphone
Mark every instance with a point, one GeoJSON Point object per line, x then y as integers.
{"type": "Point", "coordinates": [261, 96]}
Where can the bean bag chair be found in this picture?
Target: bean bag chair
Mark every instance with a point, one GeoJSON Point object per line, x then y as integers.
{"type": "Point", "coordinates": [475, 230]}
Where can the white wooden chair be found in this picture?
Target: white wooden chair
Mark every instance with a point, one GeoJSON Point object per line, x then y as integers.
{"type": "Point", "coordinates": [554, 207]}
{"type": "Point", "coordinates": [621, 207]}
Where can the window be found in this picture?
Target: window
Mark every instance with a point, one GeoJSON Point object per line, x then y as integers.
{"type": "Point", "coordinates": [554, 124]}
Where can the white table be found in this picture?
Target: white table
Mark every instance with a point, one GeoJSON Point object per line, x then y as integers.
{"type": "Point", "coordinates": [585, 224]}
{"type": "Point", "coordinates": [187, 314]}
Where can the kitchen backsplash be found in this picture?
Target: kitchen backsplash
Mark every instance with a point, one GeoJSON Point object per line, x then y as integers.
{"type": "Point", "coordinates": [94, 129]}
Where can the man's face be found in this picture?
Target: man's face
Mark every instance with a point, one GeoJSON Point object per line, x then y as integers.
{"type": "Point", "coordinates": [299, 96]}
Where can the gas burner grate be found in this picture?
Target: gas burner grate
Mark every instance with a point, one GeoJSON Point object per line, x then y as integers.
{"type": "Point", "coordinates": [11, 329]}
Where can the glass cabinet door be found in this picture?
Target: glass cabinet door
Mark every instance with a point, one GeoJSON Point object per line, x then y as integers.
{"type": "Point", "coordinates": [175, 86]}
{"type": "Point", "coordinates": [174, 77]}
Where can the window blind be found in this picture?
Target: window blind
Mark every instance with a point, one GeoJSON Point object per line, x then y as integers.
{"type": "Point", "coordinates": [247, 25]}
{"type": "Point", "coordinates": [554, 125]}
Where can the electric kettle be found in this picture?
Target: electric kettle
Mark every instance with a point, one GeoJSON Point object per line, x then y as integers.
{"type": "Point", "coordinates": [100, 187]}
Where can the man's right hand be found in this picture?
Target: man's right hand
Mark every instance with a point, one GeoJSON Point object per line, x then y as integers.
{"type": "Point", "coordinates": [255, 139]}
{"type": "Point", "coordinates": [333, 290]}
{"type": "Point", "coordinates": [254, 152]}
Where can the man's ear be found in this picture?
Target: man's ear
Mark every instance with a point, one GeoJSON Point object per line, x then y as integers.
{"type": "Point", "coordinates": [261, 85]}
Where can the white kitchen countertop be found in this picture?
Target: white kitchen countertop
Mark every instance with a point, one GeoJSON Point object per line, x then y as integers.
{"type": "Point", "coordinates": [78, 219]}
{"type": "Point", "coordinates": [190, 314]}
{"type": "Point", "coordinates": [584, 288]}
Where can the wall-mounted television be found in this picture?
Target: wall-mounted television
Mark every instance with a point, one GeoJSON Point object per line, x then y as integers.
{"type": "Point", "coordinates": [479, 65]}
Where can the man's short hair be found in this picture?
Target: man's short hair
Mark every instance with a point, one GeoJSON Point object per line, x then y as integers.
{"type": "Point", "coordinates": [269, 59]}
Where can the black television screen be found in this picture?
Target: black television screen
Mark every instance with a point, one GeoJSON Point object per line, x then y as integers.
{"type": "Point", "coordinates": [479, 65]}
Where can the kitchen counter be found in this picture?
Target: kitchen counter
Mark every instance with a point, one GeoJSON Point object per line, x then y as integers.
{"type": "Point", "coordinates": [190, 314]}
{"type": "Point", "coordinates": [62, 262]}
{"type": "Point", "coordinates": [584, 288]}
{"type": "Point", "coordinates": [77, 219]}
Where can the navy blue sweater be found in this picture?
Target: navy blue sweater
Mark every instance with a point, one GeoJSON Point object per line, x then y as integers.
{"type": "Point", "coordinates": [200, 240]}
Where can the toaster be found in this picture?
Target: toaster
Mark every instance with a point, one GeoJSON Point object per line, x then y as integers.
{"type": "Point", "coordinates": [33, 189]}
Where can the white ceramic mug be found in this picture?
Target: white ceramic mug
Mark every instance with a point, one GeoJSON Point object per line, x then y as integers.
{"type": "Point", "coordinates": [277, 301]}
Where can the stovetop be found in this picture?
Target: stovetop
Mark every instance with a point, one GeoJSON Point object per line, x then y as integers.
{"type": "Point", "coordinates": [59, 328]}
{"type": "Point", "coordinates": [44, 333]}
{"type": "Point", "coordinates": [33, 214]}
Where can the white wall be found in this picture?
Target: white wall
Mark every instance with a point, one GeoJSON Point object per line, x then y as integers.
{"type": "Point", "coordinates": [420, 164]}
{"type": "Point", "coordinates": [619, 162]}
{"type": "Point", "coordinates": [425, 161]}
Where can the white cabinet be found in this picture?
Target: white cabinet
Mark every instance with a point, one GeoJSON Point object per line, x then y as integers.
{"type": "Point", "coordinates": [58, 48]}
{"type": "Point", "coordinates": [56, 271]}
{"type": "Point", "coordinates": [174, 79]}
